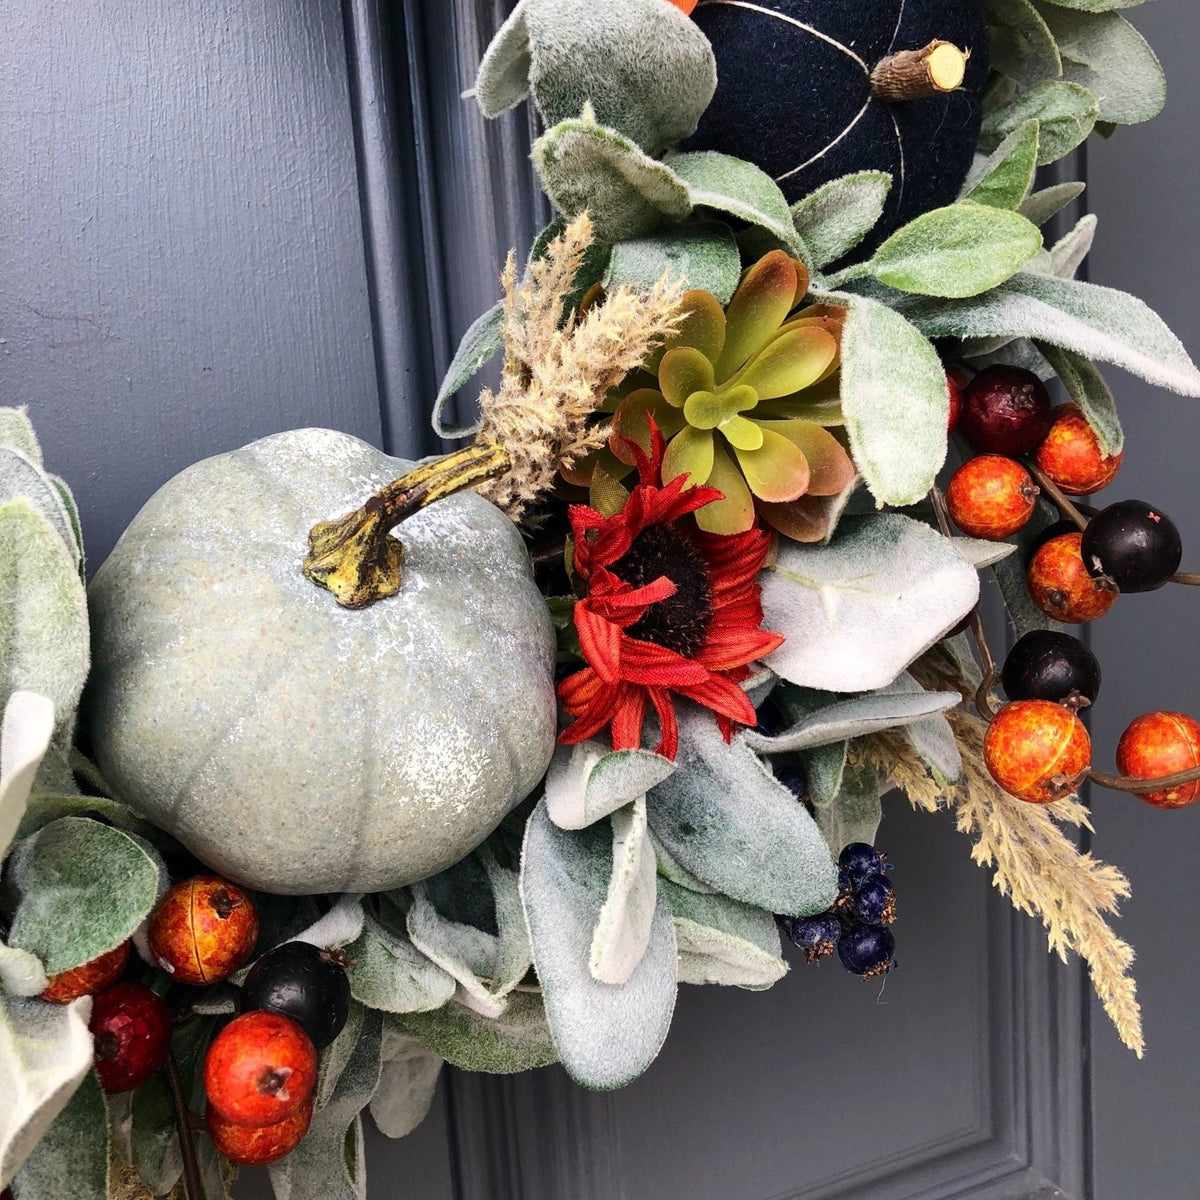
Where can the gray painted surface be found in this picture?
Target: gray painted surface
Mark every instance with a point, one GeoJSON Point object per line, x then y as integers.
{"type": "Point", "coordinates": [219, 223]}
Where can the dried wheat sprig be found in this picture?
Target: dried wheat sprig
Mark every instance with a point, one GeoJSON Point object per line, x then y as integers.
{"type": "Point", "coordinates": [1035, 864]}
{"type": "Point", "coordinates": [558, 369]}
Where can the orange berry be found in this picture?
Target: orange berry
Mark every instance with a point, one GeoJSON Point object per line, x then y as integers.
{"type": "Point", "coordinates": [1071, 454]}
{"type": "Point", "coordinates": [260, 1069]}
{"type": "Point", "coordinates": [991, 497]}
{"type": "Point", "coordinates": [203, 930]}
{"type": "Point", "coordinates": [90, 978]}
{"type": "Point", "coordinates": [1161, 743]}
{"type": "Point", "coordinates": [686, 5]}
{"type": "Point", "coordinates": [250, 1147]}
{"type": "Point", "coordinates": [1061, 585]}
{"type": "Point", "coordinates": [1037, 750]}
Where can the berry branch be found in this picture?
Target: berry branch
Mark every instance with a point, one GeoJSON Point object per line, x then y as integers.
{"type": "Point", "coordinates": [187, 1147]}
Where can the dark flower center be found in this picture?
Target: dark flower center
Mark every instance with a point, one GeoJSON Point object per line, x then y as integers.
{"type": "Point", "coordinates": [680, 622]}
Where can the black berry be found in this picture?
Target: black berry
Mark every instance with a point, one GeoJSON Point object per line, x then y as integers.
{"type": "Point", "coordinates": [859, 860]}
{"type": "Point", "coordinates": [1005, 410]}
{"type": "Point", "coordinates": [1133, 544]}
{"type": "Point", "coordinates": [1047, 665]}
{"type": "Point", "coordinates": [875, 901]}
{"type": "Point", "coordinates": [302, 982]}
{"type": "Point", "coordinates": [816, 936]}
{"type": "Point", "coordinates": [867, 950]}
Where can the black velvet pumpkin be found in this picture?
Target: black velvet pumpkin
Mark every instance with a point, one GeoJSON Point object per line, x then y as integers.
{"type": "Point", "coordinates": [793, 95]}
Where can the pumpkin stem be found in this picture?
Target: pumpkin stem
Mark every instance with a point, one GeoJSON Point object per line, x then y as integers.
{"type": "Point", "coordinates": [914, 74]}
{"type": "Point", "coordinates": [356, 558]}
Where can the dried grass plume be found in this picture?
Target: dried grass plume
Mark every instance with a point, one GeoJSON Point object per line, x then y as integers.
{"type": "Point", "coordinates": [558, 370]}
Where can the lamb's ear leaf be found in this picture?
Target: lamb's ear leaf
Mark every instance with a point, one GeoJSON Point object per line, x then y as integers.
{"type": "Point", "coordinates": [387, 972]}
{"type": "Point", "coordinates": [832, 220]}
{"type": "Point", "coordinates": [1004, 177]}
{"type": "Point", "coordinates": [330, 1163]}
{"type": "Point", "coordinates": [407, 1084]}
{"type": "Point", "coordinates": [518, 1040]}
{"type": "Point", "coordinates": [584, 165]}
{"type": "Point", "coordinates": [1066, 113]}
{"type": "Point", "coordinates": [1067, 254]}
{"type": "Point", "coordinates": [1039, 207]}
{"type": "Point", "coordinates": [723, 816]}
{"type": "Point", "coordinates": [931, 737]}
{"type": "Point", "coordinates": [503, 79]}
{"type": "Point", "coordinates": [1020, 44]}
{"type": "Point", "coordinates": [724, 941]}
{"type": "Point", "coordinates": [854, 813]}
{"type": "Point", "coordinates": [1102, 52]}
{"type": "Point", "coordinates": [824, 768]}
{"type": "Point", "coordinates": [24, 739]}
{"type": "Point", "coordinates": [338, 927]}
{"type": "Point", "coordinates": [16, 433]}
{"type": "Point", "coordinates": [845, 635]}
{"type": "Point", "coordinates": [1086, 386]}
{"type": "Point", "coordinates": [82, 888]}
{"type": "Point", "coordinates": [588, 781]}
{"type": "Point", "coordinates": [46, 1053]}
{"type": "Point", "coordinates": [479, 345]}
{"type": "Point", "coordinates": [22, 477]}
{"type": "Point", "coordinates": [605, 1035]}
{"type": "Point", "coordinates": [626, 921]}
{"type": "Point", "coordinates": [702, 253]}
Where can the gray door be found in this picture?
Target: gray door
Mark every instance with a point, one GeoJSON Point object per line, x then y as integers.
{"type": "Point", "coordinates": [230, 217]}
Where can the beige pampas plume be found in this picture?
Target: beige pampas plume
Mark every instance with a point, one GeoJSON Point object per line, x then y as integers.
{"type": "Point", "coordinates": [557, 371]}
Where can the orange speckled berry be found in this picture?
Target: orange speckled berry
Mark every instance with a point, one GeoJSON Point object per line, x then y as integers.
{"type": "Point", "coordinates": [1037, 750]}
{"type": "Point", "coordinates": [203, 930]}
{"type": "Point", "coordinates": [260, 1069]}
{"type": "Point", "coordinates": [1061, 586]}
{"type": "Point", "coordinates": [251, 1147]}
{"type": "Point", "coordinates": [1071, 454]}
{"type": "Point", "coordinates": [1161, 743]}
{"type": "Point", "coordinates": [991, 497]}
{"type": "Point", "coordinates": [686, 5]}
{"type": "Point", "coordinates": [88, 979]}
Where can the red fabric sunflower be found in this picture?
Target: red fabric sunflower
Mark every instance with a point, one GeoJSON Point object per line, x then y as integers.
{"type": "Point", "coordinates": [669, 609]}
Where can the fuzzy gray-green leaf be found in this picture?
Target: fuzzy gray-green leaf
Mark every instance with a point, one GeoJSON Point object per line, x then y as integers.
{"type": "Point", "coordinates": [389, 973]}
{"type": "Point", "coordinates": [704, 253]}
{"type": "Point", "coordinates": [1039, 207]}
{"type": "Point", "coordinates": [71, 1160]}
{"type": "Point", "coordinates": [1021, 44]}
{"type": "Point", "coordinates": [1003, 178]}
{"type": "Point", "coordinates": [482, 342]}
{"type": "Point", "coordinates": [854, 813]}
{"type": "Point", "coordinates": [832, 220]}
{"type": "Point", "coordinates": [588, 781]}
{"type": "Point", "coordinates": [626, 921]}
{"type": "Point", "coordinates": [503, 79]}
{"type": "Point", "coordinates": [1087, 387]}
{"type": "Point", "coordinates": [406, 1084]}
{"type": "Point", "coordinates": [1065, 112]}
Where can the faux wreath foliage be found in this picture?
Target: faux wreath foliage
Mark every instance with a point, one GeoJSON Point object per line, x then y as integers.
{"type": "Point", "coordinates": [564, 936]}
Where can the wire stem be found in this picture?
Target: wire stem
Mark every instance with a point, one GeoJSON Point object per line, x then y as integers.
{"type": "Point", "coordinates": [1061, 501]}
{"type": "Point", "coordinates": [187, 1147]}
{"type": "Point", "coordinates": [1125, 783]}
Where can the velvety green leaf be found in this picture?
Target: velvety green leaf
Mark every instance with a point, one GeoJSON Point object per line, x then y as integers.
{"type": "Point", "coordinates": [1102, 52]}
{"type": "Point", "coordinates": [1096, 5]}
{"type": "Point", "coordinates": [1086, 386]}
{"type": "Point", "coordinates": [895, 402]}
{"type": "Point", "coordinates": [82, 889]}
{"type": "Point", "coordinates": [320, 1167]}
{"type": "Point", "coordinates": [21, 477]}
{"type": "Point", "coordinates": [336, 1056]}
{"type": "Point", "coordinates": [21, 973]}
{"type": "Point", "coordinates": [723, 941]}
{"type": "Point", "coordinates": [388, 973]}
{"type": "Point", "coordinates": [1065, 113]}
{"type": "Point", "coordinates": [627, 919]}
{"type": "Point", "coordinates": [24, 739]}
{"type": "Point", "coordinates": [1096, 322]}
{"type": "Point", "coordinates": [481, 343]}
{"type": "Point", "coordinates": [1020, 42]}
{"type": "Point", "coordinates": [588, 781]}
{"type": "Point", "coordinates": [340, 926]}
{"type": "Point", "coordinates": [1068, 253]}
{"type": "Point", "coordinates": [931, 737]}
{"type": "Point", "coordinates": [44, 641]}
{"type": "Point", "coordinates": [854, 813]}
{"type": "Point", "coordinates": [16, 433]}
{"type": "Point", "coordinates": [518, 1040]}
{"type": "Point", "coordinates": [1039, 207]}
{"type": "Point", "coordinates": [503, 80]}
{"type": "Point", "coordinates": [71, 1160]}
{"type": "Point", "coordinates": [1004, 177]}
{"type": "Point", "coordinates": [855, 717]}
{"type": "Point", "coordinates": [824, 767]}
{"type": "Point", "coordinates": [980, 553]}
{"type": "Point", "coordinates": [45, 1052]}
{"type": "Point", "coordinates": [587, 54]}
{"type": "Point", "coordinates": [857, 612]}
{"type": "Point", "coordinates": [724, 817]}
{"type": "Point", "coordinates": [704, 254]}
{"type": "Point", "coordinates": [72, 511]}
{"type": "Point", "coordinates": [734, 186]}
{"type": "Point", "coordinates": [833, 220]}
{"type": "Point", "coordinates": [605, 1035]}
{"type": "Point", "coordinates": [669, 868]}
{"type": "Point", "coordinates": [584, 165]}
{"type": "Point", "coordinates": [956, 251]}
{"type": "Point", "coordinates": [406, 1085]}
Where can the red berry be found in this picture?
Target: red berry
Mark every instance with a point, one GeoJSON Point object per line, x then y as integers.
{"type": "Point", "coordinates": [1005, 410]}
{"type": "Point", "coordinates": [1071, 454]}
{"type": "Point", "coordinates": [956, 380]}
{"type": "Point", "coordinates": [1037, 750]}
{"type": "Point", "coordinates": [132, 1029]}
{"type": "Point", "coordinates": [249, 1146]}
{"type": "Point", "coordinates": [1061, 586]}
{"type": "Point", "coordinates": [1161, 743]}
{"type": "Point", "coordinates": [260, 1069]}
{"type": "Point", "coordinates": [991, 497]}
{"type": "Point", "coordinates": [88, 979]}
{"type": "Point", "coordinates": [203, 930]}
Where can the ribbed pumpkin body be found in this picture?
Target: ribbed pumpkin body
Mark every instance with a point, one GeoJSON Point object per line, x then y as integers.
{"type": "Point", "coordinates": [293, 745]}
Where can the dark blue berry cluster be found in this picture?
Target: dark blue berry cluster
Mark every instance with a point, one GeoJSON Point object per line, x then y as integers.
{"type": "Point", "coordinates": [856, 925]}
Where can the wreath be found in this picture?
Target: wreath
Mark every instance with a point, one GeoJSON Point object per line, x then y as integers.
{"type": "Point", "coordinates": [343, 766]}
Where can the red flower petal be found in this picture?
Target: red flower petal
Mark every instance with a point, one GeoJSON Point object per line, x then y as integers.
{"type": "Point", "coordinates": [627, 718]}
{"type": "Point", "coordinates": [600, 641]}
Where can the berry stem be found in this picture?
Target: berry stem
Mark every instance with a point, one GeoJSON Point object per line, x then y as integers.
{"type": "Point", "coordinates": [987, 661]}
{"type": "Point", "coordinates": [187, 1147]}
{"type": "Point", "coordinates": [1125, 783]}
